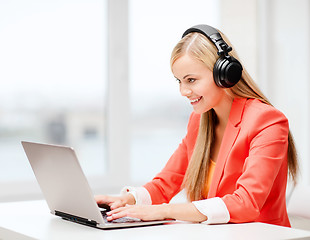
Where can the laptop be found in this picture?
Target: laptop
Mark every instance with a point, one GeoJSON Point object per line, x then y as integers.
{"type": "Point", "coordinates": [66, 189]}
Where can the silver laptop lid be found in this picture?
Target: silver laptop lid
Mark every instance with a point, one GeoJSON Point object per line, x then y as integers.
{"type": "Point", "coordinates": [62, 180]}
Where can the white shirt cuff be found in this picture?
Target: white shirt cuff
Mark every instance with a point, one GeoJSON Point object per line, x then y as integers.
{"type": "Point", "coordinates": [140, 194]}
{"type": "Point", "coordinates": [213, 208]}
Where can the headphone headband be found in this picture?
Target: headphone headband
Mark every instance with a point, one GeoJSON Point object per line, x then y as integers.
{"type": "Point", "coordinates": [212, 34]}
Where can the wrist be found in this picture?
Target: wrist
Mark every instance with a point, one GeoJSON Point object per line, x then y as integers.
{"type": "Point", "coordinates": [129, 199]}
{"type": "Point", "coordinates": [140, 194]}
{"type": "Point", "coordinates": [166, 211]}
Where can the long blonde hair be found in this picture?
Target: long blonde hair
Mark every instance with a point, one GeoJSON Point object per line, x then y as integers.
{"type": "Point", "coordinates": [199, 47]}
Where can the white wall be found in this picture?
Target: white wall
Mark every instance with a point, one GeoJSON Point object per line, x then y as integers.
{"type": "Point", "coordinates": [273, 40]}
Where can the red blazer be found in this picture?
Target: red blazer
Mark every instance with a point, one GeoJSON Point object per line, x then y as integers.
{"type": "Point", "coordinates": [251, 170]}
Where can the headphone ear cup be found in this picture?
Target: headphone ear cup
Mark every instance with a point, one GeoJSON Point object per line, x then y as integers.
{"type": "Point", "coordinates": [227, 71]}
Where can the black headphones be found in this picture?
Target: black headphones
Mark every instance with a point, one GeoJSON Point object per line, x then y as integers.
{"type": "Point", "coordinates": [227, 70]}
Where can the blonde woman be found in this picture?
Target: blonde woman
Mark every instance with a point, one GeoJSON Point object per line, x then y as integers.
{"type": "Point", "coordinates": [234, 161]}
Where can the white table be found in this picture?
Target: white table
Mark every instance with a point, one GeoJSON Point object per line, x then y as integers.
{"type": "Point", "coordinates": [32, 220]}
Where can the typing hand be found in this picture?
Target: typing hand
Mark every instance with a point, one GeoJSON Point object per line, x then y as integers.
{"type": "Point", "coordinates": [143, 212]}
{"type": "Point", "coordinates": [114, 202]}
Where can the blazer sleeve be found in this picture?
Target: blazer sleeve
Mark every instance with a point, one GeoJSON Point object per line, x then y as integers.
{"type": "Point", "coordinates": [265, 169]}
{"type": "Point", "coordinates": [166, 184]}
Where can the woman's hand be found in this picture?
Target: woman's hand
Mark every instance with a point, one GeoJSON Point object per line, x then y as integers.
{"type": "Point", "coordinates": [183, 212]}
{"type": "Point", "coordinates": [143, 212]}
{"type": "Point", "coordinates": [115, 202]}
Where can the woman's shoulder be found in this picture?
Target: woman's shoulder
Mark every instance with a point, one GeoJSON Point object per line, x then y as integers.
{"type": "Point", "coordinates": [257, 105]}
{"type": "Point", "coordinates": [259, 112]}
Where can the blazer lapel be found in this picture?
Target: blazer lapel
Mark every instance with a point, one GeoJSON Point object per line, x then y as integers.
{"type": "Point", "coordinates": [230, 135]}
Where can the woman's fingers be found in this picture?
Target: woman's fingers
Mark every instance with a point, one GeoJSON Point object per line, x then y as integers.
{"type": "Point", "coordinates": [115, 202]}
{"type": "Point", "coordinates": [145, 213]}
{"type": "Point", "coordinates": [101, 199]}
{"type": "Point", "coordinates": [117, 213]}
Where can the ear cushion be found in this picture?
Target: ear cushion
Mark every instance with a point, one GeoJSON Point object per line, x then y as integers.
{"type": "Point", "coordinates": [227, 71]}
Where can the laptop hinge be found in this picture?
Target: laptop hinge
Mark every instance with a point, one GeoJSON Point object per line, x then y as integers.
{"type": "Point", "coordinates": [77, 219]}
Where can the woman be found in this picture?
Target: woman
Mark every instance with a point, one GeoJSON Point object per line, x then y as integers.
{"type": "Point", "coordinates": [234, 160]}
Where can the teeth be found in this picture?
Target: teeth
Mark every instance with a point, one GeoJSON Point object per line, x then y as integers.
{"type": "Point", "coordinates": [195, 100]}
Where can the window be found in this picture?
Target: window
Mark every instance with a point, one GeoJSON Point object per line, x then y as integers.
{"type": "Point", "coordinates": [54, 68]}
{"type": "Point", "coordinates": [53, 71]}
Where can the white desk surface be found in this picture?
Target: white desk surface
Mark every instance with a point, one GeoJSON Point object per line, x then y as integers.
{"type": "Point", "coordinates": [32, 220]}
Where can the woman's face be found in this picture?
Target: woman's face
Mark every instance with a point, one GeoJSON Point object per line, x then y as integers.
{"type": "Point", "coordinates": [197, 84]}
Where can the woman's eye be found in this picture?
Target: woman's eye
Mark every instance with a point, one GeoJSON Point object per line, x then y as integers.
{"type": "Point", "coordinates": [178, 81]}
{"type": "Point", "coordinates": [191, 80]}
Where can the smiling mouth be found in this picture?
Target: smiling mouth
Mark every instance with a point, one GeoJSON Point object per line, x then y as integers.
{"type": "Point", "coordinates": [193, 101]}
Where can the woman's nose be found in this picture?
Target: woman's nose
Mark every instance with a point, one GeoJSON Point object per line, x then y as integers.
{"type": "Point", "coordinates": [185, 91]}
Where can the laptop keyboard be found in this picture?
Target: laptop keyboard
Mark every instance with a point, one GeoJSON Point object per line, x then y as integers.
{"type": "Point", "coordinates": [120, 220]}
